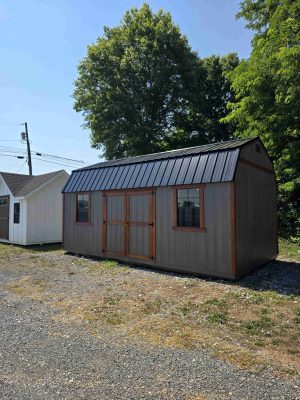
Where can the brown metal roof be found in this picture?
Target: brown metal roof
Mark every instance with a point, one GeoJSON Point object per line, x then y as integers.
{"type": "Point", "coordinates": [202, 164]}
{"type": "Point", "coordinates": [22, 185]}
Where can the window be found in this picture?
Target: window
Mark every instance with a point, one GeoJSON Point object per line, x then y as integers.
{"type": "Point", "coordinates": [3, 201]}
{"type": "Point", "coordinates": [83, 208]}
{"type": "Point", "coordinates": [189, 208]}
{"type": "Point", "coordinates": [16, 213]}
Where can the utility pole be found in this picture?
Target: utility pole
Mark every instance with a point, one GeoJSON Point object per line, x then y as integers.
{"type": "Point", "coordinates": [25, 136]}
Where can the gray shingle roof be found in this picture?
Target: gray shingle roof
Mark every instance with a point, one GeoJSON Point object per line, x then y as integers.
{"type": "Point", "coordinates": [22, 185]}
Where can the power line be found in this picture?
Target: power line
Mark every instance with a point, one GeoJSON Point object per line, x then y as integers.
{"type": "Point", "coordinates": [52, 162]}
{"type": "Point", "coordinates": [19, 169]}
{"type": "Point", "coordinates": [34, 152]}
{"type": "Point", "coordinates": [11, 155]}
{"type": "Point", "coordinates": [38, 159]}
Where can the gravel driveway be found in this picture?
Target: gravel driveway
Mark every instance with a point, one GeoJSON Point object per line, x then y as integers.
{"type": "Point", "coordinates": [45, 358]}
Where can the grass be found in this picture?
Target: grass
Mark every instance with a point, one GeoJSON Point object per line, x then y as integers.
{"type": "Point", "coordinates": [29, 287]}
{"type": "Point", "coordinates": [289, 251]}
{"type": "Point", "coordinates": [252, 329]}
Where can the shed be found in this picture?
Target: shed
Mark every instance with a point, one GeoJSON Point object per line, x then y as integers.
{"type": "Point", "coordinates": [208, 210]}
{"type": "Point", "coordinates": [31, 207]}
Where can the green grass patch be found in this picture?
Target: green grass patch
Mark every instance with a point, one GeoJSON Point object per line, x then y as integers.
{"type": "Point", "coordinates": [289, 250]}
{"type": "Point", "coordinates": [264, 326]}
{"type": "Point", "coordinates": [217, 317]}
{"type": "Point", "coordinates": [216, 311]}
{"type": "Point", "coordinates": [297, 318]}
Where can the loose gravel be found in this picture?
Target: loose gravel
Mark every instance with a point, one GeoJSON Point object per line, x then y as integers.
{"type": "Point", "coordinates": [42, 358]}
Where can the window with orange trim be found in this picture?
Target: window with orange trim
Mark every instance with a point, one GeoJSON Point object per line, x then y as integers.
{"type": "Point", "coordinates": [189, 208]}
{"type": "Point", "coordinates": [82, 208]}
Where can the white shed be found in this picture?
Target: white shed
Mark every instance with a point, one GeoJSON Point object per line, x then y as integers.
{"type": "Point", "coordinates": [31, 207]}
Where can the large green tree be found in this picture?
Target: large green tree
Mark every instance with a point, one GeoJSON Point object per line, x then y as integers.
{"type": "Point", "coordinates": [207, 106]}
{"type": "Point", "coordinates": [142, 89]}
{"type": "Point", "coordinates": [136, 84]}
{"type": "Point", "coordinates": [217, 95]}
{"type": "Point", "coordinates": [267, 96]}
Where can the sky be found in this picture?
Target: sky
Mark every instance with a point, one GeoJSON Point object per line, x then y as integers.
{"type": "Point", "coordinates": [41, 44]}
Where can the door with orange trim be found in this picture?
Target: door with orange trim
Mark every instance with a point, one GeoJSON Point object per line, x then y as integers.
{"type": "Point", "coordinates": [129, 224]}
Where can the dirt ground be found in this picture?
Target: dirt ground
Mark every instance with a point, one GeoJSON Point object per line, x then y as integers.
{"type": "Point", "coordinates": [73, 327]}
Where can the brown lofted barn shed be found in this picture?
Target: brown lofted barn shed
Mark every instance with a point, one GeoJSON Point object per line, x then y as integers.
{"type": "Point", "coordinates": [209, 210]}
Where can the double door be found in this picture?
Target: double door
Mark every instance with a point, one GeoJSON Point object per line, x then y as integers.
{"type": "Point", "coordinates": [129, 224]}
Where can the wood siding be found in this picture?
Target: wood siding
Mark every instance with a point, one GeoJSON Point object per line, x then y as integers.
{"type": "Point", "coordinates": [250, 153]}
{"type": "Point", "coordinates": [44, 213]}
{"type": "Point", "coordinates": [83, 238]}
{"type": "Point", "coordinates": [207, 253]}
{"type": "Point", "coordinates": [256, 216]}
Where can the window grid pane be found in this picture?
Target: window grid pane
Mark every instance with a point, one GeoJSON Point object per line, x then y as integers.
{"type": "Point", "coordinates": [188, 208]}
{"type": "Point", "coordinates": [16, 213]}
{"type": "Point", "coordinates": [82, 208]}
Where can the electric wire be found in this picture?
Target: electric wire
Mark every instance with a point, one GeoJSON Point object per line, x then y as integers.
{"type": "Point", "coordinates": [19, 169]}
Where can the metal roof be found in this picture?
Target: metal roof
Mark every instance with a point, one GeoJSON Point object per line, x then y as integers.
{"type": "Point", "coordinates": [201, 164]}
{"type": "Point", "coordinates": [21, 185]}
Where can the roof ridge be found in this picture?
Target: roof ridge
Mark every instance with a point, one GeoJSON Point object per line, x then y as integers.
{"type": "Point", "coordinates": [217, 146]}
{"type": "Point", "coordinates": [22, 185]}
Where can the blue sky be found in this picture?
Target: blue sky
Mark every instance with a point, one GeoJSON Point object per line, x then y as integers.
{"type": "Point", "coordinates": [41, 43]}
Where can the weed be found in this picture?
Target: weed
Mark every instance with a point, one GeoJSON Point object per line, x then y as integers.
{"type": "Point", "coordinates": [187, 308]}
{"type": "Point", "coordinates": [217, 318]}
{"type": "Point", "coordinates": [263, 326]}
{"type": "Point", "coordinates": [259, 343]}
{"type": "Point", "coordinates": [289, 250]}
{"type": "Point", "coordinates": [297, 318]}
{"type": "Point", "coordinates": [265, 296]}
{"type": "Point", "coordinates": [152, 306]}
{"type": "Point", "coordinates": [109, 264]}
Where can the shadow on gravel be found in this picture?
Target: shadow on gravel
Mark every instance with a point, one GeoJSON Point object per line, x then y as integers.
{"type": "Point", "coordinates": [45, 247]}
{"type": "Point", "coordinates": [282, 277]}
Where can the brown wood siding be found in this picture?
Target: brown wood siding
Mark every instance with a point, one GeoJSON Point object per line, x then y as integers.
{"type": "Point", "coordinates": [249, 153]}
{"type": "Point", "coordinates": [207, 253]}
{"type": "Point", "coordinates": [83, 238]}
{"type": "Point", "coordinates": [256, 218]}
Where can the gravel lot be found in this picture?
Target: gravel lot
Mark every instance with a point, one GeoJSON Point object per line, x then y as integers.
{"type": "Point", "coordinates": [47, 354]}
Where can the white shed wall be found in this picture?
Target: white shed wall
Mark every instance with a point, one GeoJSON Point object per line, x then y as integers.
{"type": "Point", "coordinates": [44, 212]}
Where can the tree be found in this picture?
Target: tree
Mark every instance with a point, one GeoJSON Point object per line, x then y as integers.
{"type": "Point", "coordinates": [218, 94]}
{"type": "Point", "coordinates": [142, 89]}
{"type": "Point", "coordinates": [136, 84]}
{"type": "Point", "coordinates": [267, 96]}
